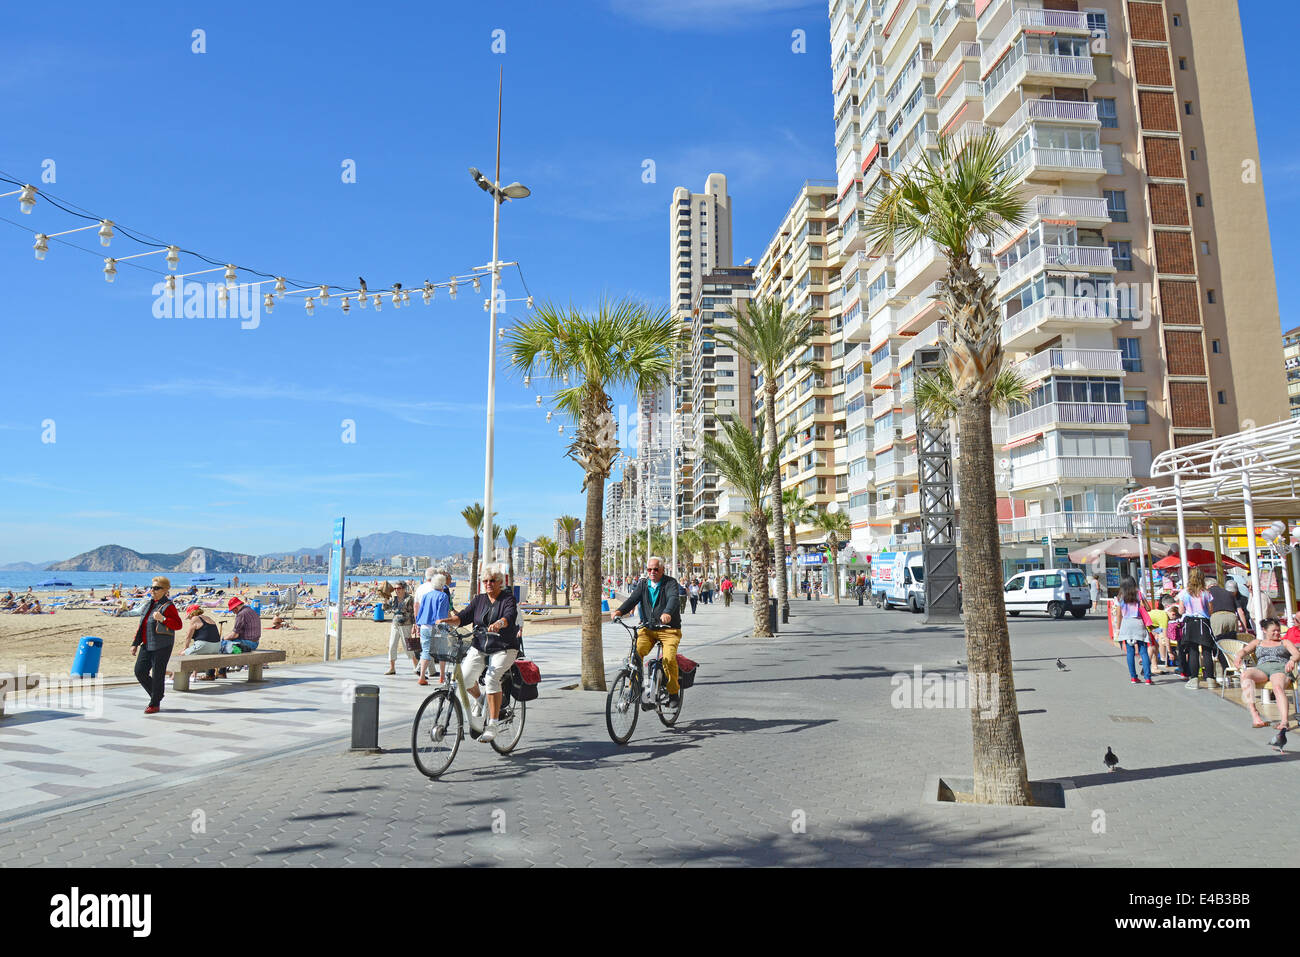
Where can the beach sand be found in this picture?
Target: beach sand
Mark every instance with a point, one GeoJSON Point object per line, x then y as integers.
{"type": "Point", "coordinates": [47, 644]}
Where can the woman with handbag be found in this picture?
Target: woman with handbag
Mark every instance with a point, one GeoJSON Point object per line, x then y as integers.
{"type": "Point", "coordinates": [1132, 630]}
{"type": "Point", "coordinates": [1195, 604]}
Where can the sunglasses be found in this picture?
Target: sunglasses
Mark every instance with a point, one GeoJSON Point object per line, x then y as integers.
{"type": "Point", "coordinates": [157, 588]}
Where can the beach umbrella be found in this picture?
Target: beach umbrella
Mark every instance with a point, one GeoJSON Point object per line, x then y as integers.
{"type": "Point", "coordinates": [1196, 556]}
{"type": "Point", "coordinates": [53, 583]}
{"type": "Point", "coordinates": [1115, 548]}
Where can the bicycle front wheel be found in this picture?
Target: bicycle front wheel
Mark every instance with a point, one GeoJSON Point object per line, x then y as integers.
{"type": "Point", "coordinates": [622, 708]}
{"type": "Point", "coordinates": [436, 733]}
{"type": "Point", "coordinates": [511, 728]}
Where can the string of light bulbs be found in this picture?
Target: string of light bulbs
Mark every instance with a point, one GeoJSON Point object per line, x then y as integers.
{"type": "Point", "coordinates": [315, 294]}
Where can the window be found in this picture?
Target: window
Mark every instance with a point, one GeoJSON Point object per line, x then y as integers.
{"type": "Point", "coordinates": [1192, 153]}
{"type": "Point", "coordinates": [1200, 199]}
{"type": "Point", "coordinates": [1205, 248]}
{"type": "Point", "coordinates": [1182, 63]}
{"type": "Point", "coordinates": [1210, 297]}
{"type": "Point", "coordinates": [1106, 113]}
{"type": "Point", "coordinates": [1130, 350]}
{"type": "Point", "coordinates": [1223, 397]}
{"type": "Point", "coordinates": [1214, 346]}
{"type": "Point", "coordinates": [1178, 21]}
{"type": "Point", "coordinates": [1135, 403]}
{"type": "Point", "coordinates": [1112, 159]}
{"type": "Point", "coordinates": [1122, 253]}
{"type": "Point", "coordinates": [1117, 205]}
{"type": "Point", "coordinates": [1187, 107]}
{"type": "Point", "coordinates": [1097, 23]}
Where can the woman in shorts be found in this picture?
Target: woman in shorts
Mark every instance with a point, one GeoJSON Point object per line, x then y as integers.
{"type": "Point", "coordinates": [1275, 658]}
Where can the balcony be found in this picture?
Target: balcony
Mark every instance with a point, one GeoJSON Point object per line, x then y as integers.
{"type": "Point", "coordinates": [955, 24]}
{"type": "Point", "coordinates": [1045, 162]}
{"type": "Point", "coordinates": [910, 466]}
{"type": "Point", "coordinates": [1051, 316]}
{"type": "Point", "coordinates": [1095, 258]}
{"type": "Point", "coordinates": [1070, 360]}
{"type": "Point", "coordinates": [1065, 111]}
{"type": "Point", "coordinates": [923, 103]}
{"type": "Point", "coordinates": [1035, 20]}
{"type": "Point", "coordinates": [971, 91]}
{"type": "Point", "coordinates": [927, 337]}
{"type": "Point", "coordinates": [920, 265]}
{"type": "Point", "coordinates": [884, 371]}
{"type": "Point", "coordinates": [1066, 525]}
{"type": "Point", "coordinates": [855, 418]}
{"type": "Point", "coordinates": [1073, 470]}
{"type": "Point", "coordinates": [1051, 414]}
{"type": "Point", "coordinates": [1090, 209]}
{"type": "Point", "coordinates": [1038, 69]}
{"type": "Point", "coordinates": [912, 503]}
{"type": "Point", "coordinates": [883, 404]}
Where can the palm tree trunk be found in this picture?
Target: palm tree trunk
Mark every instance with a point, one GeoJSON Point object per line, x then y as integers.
{"type": "Point", "coordinates": [758, 571]}
{"type": "Point", "coordinates": [835, 569]}
{"type": "Point", "coordinates": [778, 510]}
{"type": "Point", "coordinates": [593, 652]}
{"type": "Point", "coordinates": [1001, 775]}
{"type": "Point", "coordinates": [473, 570]}
{"type": "Point", "coordinates": [568, 581]}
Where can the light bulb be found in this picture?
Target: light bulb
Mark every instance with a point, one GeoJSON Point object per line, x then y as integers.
{"type": "Point", "coordinates": [324, 294]}
{"type": "Point", "coordinates": [279, 287]}
{"type": "Point", "coordinates": [501, 333]}
{"type": "Point", "coordinates": [222, 294]}
{"type": "Point", "coordinates": [27, 199]}
{"type": "Point", "coordinates": [561, 430]}
{"type": "Point", "coordinates": [42, 246]}
{"type": "Point", "coordinates": [110, 270]}
{"type": "Point", "coordinates": [231, 279]}
{"type": "Point", "coordinates": [526, 385]}
{"type": "Point", "coordinates": [406, 297]}
{"type": "Point", "coordinates": [377, 302]}
{"type": "Point", "coordinates": [268, 303]}
{"type": "Point", "coordinates": [310, 305]}
{"type": "Point", "coordinates": [478, 287]}
{"type": "Point", "coordinates": [173, 257]}
{"type": "Point", "coordinates": [105, 232]}
{"type": "Point", "coordinates": [530, 302]}
{"type": "Point", "coordinates": [487, 305]}
{"type": "Point", "coordinates": [566, 378]}
{"type": "Point", "coordinates": [548, 416]}
{"type": "Point", "coordinates": [347, 305]}
{"type": "Point", "coordinates": [539, 401]}
{"type": "Point", "coordinates": [427, 296]}
{"type": "Point", "coordinates": [171, 283]}
{"type": "Point", "coordinates": [397, 300]}
{"type": "Point", "coordinates": [451, 287]}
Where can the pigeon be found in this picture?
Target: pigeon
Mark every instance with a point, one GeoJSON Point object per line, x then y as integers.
{"type": "Point", "coordinates": [1278, 743]}
{"type": "Point", "coordinates": [362, 280]}
{"type": "Point", "coordinates": [397, 287]}
{"type": "Point", "coordinates": [958, 663]}
{"type": "Point", "coordinates": [1110, 760]}
{"type": "Point", "coordinates": [1061, 666]}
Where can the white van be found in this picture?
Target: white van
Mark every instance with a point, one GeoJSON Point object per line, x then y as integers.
{"type": "Point", "coordinates": [1051, 590]}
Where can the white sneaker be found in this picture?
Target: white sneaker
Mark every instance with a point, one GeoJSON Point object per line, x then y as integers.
{"type": "Point", "coordinates": [1192, 684]}
{"type": "Point", "coordinates": [1212, 682]}
{"type": "Point", "coordinates": [490, 731]}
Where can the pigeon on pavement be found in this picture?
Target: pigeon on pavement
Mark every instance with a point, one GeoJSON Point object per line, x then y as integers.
{"type": "Point", "coordinates": [1061, 666]}
{"type": "Point", "coordinates": [1279, 740]}
{"type": "Point", "coordinates": [1110, 760]}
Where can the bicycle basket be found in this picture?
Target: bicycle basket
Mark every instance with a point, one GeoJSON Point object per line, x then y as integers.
{"type": "Point", "coordinates": [686, 670]}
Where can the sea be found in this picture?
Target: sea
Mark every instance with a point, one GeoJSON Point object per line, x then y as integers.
{"type": "Point", "coordinates": [19, 581]}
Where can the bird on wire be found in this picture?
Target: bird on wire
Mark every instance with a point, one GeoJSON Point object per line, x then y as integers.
{"type": "Point", "coordinates": [1110, 760]}
{"type": "Point", "coordinates": [362, 280]}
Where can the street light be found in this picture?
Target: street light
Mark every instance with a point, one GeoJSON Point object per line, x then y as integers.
{"type": "Point", "coordinates": [500, 195]}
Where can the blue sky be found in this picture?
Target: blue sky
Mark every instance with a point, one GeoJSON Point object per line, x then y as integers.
{"type": "Point", "coordinates": [179, 432]}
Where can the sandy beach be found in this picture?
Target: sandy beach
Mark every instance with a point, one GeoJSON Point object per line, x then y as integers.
{"type": "Point", "coordinates": [47, 644]}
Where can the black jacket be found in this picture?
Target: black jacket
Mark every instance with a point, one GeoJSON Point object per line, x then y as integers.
{"type": "Point", "coordinates": [477, 613]}
{"type": "Point", "coordinates": [668, 602]}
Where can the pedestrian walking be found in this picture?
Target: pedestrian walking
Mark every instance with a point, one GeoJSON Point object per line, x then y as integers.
{"type": "Point", "coordinates": [1195, 605]}
{"type": "Point", "coordinates": [1131, 628]}
{"type": "Point", "coordinates": [155, 637]}
{"type": "Point", "coordinates": [1094, 590]}
{"type": "Point", "coordinates": [694, 593]}
{"type": "Point", "coordinates": [728, 586]}
{"type": "Point", "coordinates": [400, 638]}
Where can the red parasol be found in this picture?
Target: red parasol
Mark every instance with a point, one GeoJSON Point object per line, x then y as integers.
{"type": "Point", "coordinates": [1195, 557]}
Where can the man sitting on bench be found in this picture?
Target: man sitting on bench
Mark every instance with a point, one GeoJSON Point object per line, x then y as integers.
{"type": "Point", "coordinates": [246, 633]}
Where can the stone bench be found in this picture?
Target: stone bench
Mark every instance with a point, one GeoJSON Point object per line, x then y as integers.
{"type": "Point", "coordinates": [11, 683]}
{"type": "Point", "coordinates": [183, 666]}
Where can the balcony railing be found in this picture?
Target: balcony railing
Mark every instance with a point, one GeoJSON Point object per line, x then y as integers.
{"type": "Point", "coordinates": [912, 502]}
{"type": "Point", "coordinates": [921, 301]}
{"type": "Point", "coordinates": [957, 98]}
{"type": "Point", "coordinates": [1076, 310]}
{"type": "Point", "coordinates": [945, 18]}
{"type": "Point", "coordinates": [1029, 19]}
{"type": "Point", "coordinates": [1071, 360]}
{"type": "Point", "coordinates": [1070, 207]}
{"type": "Point", "coordinates": [1051, 64]}
{"type": "Point", "coordinates": [883, 404]}
{"type": "Point", "coordinates": [1087, 257]}
{"type": "Point", "coordinates": [1067, 413]}
{"type": "Point", "coordinates": [927, 337]}
{"type": "Point", "coordinates": [963, 51]}
{"type": "Point", "coordinates": [1066, 524]}
{"type": "Point", "coordinates": [1051, 110]}
{"type": "Point", "coordinates": [1073, 468]}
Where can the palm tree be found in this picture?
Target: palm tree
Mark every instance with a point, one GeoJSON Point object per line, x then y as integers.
{"type": "Point", "coordinates": [962, 196]}
{"type": "Point", "coordinates": [578, 550]}
{"type": "Point", "coordinates": [768, 335]}
{"type": "Point", "coordinates": [550, 551]}
{"type": "Point", "coordinates": [569, 524]}
{"type": "Point", "coordinates": [740, 459]}
{"type": "Point", "coordinates": [798, 511]}
{"type": "Point", "coordinates": [540, 545]}
{"type": "Point", "coordinates": [623, 344]}
{"type": "Point", "coordinates": [473, 515]}
{"type": "Point", "coordinates": [688, 543]}
{"type": "Point", "coordinates": [509, 533]}
{"type": "Point", "coordinates": [836, 527]}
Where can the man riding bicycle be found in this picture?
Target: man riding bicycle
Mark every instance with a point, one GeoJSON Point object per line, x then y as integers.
{"type": "Point", "coordinates": [657, 597]}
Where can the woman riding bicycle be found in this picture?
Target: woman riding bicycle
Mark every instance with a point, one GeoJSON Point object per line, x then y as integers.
{"type": "Point", "coordinates": [660, 606]}
{"type": "Point", "coordinates": [497, 649]}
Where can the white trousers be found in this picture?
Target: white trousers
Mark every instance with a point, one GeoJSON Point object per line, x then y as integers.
{"type": "Point", "coordinates": [497, 665]}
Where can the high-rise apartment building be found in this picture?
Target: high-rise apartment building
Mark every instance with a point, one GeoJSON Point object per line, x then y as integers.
{"type": "Point", "coordinates": [1144, 266]}
{"type": "Point", "coordinates": [1291, 364]}
{"type": "Point", "coordinates": [721, 387]}
{"type": "Point", "coordinates": [801, 268]}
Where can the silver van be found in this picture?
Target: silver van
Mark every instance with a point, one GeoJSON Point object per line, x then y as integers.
{"type": "Point", "coordinates": [1053, 591]}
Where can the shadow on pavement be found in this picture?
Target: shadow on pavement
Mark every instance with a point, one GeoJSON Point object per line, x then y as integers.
{"type": "Point", "coordinates": [862, 671]}
{"type": "Point", "coordinates": [1172, 770]}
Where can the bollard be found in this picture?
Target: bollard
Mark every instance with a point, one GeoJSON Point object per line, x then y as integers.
{"type": "Point", "coordinates": [772, 615]}
{"type": "Point", "coordinates": [365, 718]}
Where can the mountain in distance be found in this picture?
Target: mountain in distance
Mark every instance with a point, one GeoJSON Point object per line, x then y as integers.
{"type": "Point", "coordinates": [27, 566]}
{"type": "Point", "coordinates": [116, 558]}
{"type": "Point", "coordinates": [387, 544]}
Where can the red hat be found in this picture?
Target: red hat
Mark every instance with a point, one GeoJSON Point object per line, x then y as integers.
{"type": "Point", "coordinates": [234, 602]}
{"type": "Point", "coordinates": [193, 608]}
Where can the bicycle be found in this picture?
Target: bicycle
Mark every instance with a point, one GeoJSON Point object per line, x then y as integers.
{"type": "Point", "coordinates": [629, 694]}
{"type": "Point", "coordinates": [439, 723]}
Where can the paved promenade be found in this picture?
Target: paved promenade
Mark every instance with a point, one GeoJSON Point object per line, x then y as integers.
{"type": "Point", "coordinates": [789, 751]}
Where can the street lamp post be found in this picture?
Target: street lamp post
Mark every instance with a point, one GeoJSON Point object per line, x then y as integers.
{"type": "Point", "coordinates": [499, 195]}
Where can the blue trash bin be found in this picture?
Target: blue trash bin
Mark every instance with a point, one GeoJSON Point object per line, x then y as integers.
{"type": "Point", "coordinates": [379, 613]}
{"type": "Point", "coordinates": [604, 605]}
{"type": "Point", "coordinates": [86, 663]}
{"type": "Point", "coordinates": [257, 606]}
